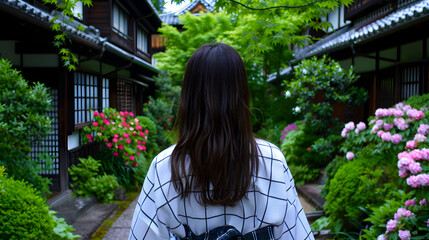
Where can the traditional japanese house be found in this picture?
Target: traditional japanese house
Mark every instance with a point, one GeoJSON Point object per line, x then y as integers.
{"type": "Point", "coordinates": [115, 67]}
{"type": "Point", "coordinates": [386, 41]}
{"type": "Point", "coordinates": [195, 7]}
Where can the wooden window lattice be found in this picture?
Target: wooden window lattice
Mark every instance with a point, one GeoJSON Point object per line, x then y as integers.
{"type": "Point", "coordinates": [50, 144]}
{"type": "Point", "coordinates": [85, 97]}
{"type": "Point", "coordinates": [105, 93]}
{"type": "Point", "coordinates": [410, 82]}
{"type": "Point", "coordinates": [386, 92]}
{"type": "Point", "coordinates": [125, 96]}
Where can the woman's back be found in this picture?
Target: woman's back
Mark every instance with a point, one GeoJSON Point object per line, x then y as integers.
{"type": "Point", "coordinates": [217, 174]}
{"type": "Point", "coordinates": [270, 200]}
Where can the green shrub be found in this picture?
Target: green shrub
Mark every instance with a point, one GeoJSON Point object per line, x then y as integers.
{"type": "Point", "coordinates": [23, 121]}
{"type": "Point", "coordinates": [23, 213]}
{"type": "Point", "coordinates": [86, 183]}
{"type": "Point", "coordinates": [62, 230]}
{"type": "Point", "coordinates": [114, 165]}
{"type": "Point", "coordinates": [102, 187]}
{"type": "Point", "coordinates": [322, 76]}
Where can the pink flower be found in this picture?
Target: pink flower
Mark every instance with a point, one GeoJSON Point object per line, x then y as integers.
{"type": "Point", "coordinates": [404, 234]}
{"type": "Point", "coordinates": [109, 145]}
{"type": "Point", "coordinates": [345, 133]}
{"type": "Point", "coordinates": [126, 113]}
{"type": "Point", "coordinates": [115, 140]}
{"type": "Point", "coordinates": [139, 127]}
{"type": "Point", "coordinates": [402, 212]}
{"type": "Point", "coordinates": [374, 129]}
{"type": "Point", "coordinates": [350, 126]}
{"type": "Point", "coordinates": [379, 123]}
{"type": "Point", "coordinates": [90, 137]}
{"type": "Point", "coordinates": [96, 113]}
{"type": "Point", "coordinates": [134, 164]}
{"type": "Point", "coordinates": [410, 202]}
{"type": "Point", "coordinates": [128, 141]}
{"type": "Point", "coordinates": [124, 124]}
{"type": "Point", "coordinates": [411, 144]}
{"type": "Point", "coordinates": [422, 202]}
{"type": "Point", "coordinates": [132, 158]}
{"type": "Point", "coordinates": [382, 237]}
{"type": "Point", "coordinates": [386, 137]}
{"type": "Point", "coordinates": [106, 139]}
{"type": "Point", "coordinates": [99, 134]}
{"type": "Point", "coordinates": [169, 119]}
{"type": "Point", "coordinates": [423, 129]}
{"type": "Point", "coordinates": [105, 121]}
{"type": "Point", "coordinates": [403, 173]}
{"type": "Point", "coordinates": [427, 223]}
{"type": "Point", "coordinates": [131, 114]}
{"type": "Point", "coordinates": [402, 127]}
{"type": "Point", "coordinates": [121, 146]}
{"type": "Point", "coordinates": [403, 154]}
{"type": "Point", "coordinates": [413, 181]}
{"type": "Point", "coordinates": [420, 137]}
{"type": "Point", "coordinates": [350, 155]}
{"type": "Point", "coordinates": [398, 113]}
{"type": "Point", "coordinates": [115, 153]}
{"type": "Point", "coordinates": [102, 115]}
{"type": "Point", "coordinates": [406, 108]}
{"type": "Point", "coordinates": [423, 179]}
{"type": "Point", "coordinates": [361, 126]}
{"type": "Point", "coordinates": [380, 133]}
{"type": "Point", "coordinates": [95, 124]}
{"type": "Point", "coordinates": [416, 154]}
{"type": "Point", "coordinates": [415, 167]}
{"type": "Point", "coordinates": [141, 134]}
{"type": "Point", "coordinates": [146, 131]}
{"type": "Point", "coordinates": [121, 138]}
{"type": "Point", "coordinates": [138, 153]}
{"type": "Point", "coordinates": [116, 135]}
{"type": "Point", "coordinates": [139, 141]}
{"type": "Point", "coordinates": [388, 126]}
{"type": "Point", "coordinates": [126, 135]}
{"type": "Point", "coordinates": [396, 138]}
{"type": "Point", "coordinates": [127, 163]}
{"type": "Point", "coordinates": [391, 225]}
{"type": "Point", "coordinates": [419, 115]}
{"type": "Point", "coordinates": [144, 142]}
{"type": "Point", "coordinates": [126, 154]}
{"type": "Point", "coordinates": [144, 148]}
{"type": "Point", "coordinates": [121, 113]}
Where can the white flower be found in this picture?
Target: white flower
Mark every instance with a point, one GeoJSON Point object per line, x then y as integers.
{"type": "Point", "coordinates": [304, 71]}
{"type": "Point", "coordinates": [297, 109]}
{"type": "Point", "coordinates": [287, 94]}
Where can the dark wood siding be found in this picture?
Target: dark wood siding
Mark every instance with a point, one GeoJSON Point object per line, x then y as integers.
{"type": "Point", "coordinates": [99, 16]}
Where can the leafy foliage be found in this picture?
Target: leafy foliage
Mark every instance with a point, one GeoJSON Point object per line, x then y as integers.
{"type": "Point", "coordinates": [161, 111]}
{"type": "Point", "coordinates": [62, 230]}
{"type": "Point", "coordinates": [369, 178]}
{"type": "Point", "coordinates": [326, 78]}
{"type": "Point", "coordinates": [23, 121]}
{"type": "Point", "coordinates": [24, 214]}
{"type": "Point", "coordinates": [61, 39]}
{"type": "Point", "coordinates": [87, 182]}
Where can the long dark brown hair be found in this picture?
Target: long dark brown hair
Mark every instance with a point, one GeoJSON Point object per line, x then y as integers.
{"type": "Point", "coordinates": [216, 153]}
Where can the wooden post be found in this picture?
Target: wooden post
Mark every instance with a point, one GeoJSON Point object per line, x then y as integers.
{"type": "Point", "coordinates": [63, 111]}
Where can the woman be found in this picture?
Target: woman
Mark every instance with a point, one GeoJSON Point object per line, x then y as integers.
{"type": "Point", "coordinates": [218, 181]}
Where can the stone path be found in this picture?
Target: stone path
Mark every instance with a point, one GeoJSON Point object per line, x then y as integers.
{"type": "Point", "coordinates": [120, 229]}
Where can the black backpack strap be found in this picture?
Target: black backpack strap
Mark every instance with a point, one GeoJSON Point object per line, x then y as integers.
{"type": "Point", "coordinates": [229, 233]}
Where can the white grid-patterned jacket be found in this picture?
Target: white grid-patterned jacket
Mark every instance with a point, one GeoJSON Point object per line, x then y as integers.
{"type": "Point", "coordinates": [270, 200]}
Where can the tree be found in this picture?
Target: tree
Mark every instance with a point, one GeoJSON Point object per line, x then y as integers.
{"type": "Point", "coordinates": [23, 120]}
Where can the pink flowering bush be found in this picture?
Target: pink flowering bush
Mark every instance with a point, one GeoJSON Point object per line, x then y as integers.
{"type": "Point", "coordinates": [393, 143]}
{"type": "Point", "coordinates": [122, 134]}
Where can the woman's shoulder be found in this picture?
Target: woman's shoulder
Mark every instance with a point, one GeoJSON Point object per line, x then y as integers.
{"type": "Point", "coordinates": [268, 149]}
